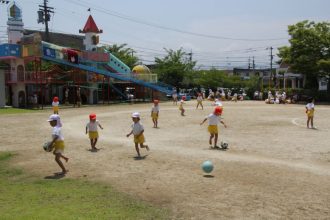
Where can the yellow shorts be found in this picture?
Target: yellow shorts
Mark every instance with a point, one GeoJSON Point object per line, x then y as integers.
{"type": "Point", "coordinates": [139, 139]}
{"type": "Point", "coordinates": [199, 102]}
{"type": "Point", "coordinates": [55, 108]}
{"type": "Point", "coordinates": [154, 115]}
{"type": "Point", "coordinates": [93, 134]}
{"type": "Point", "coordinates": [59, 147]}
{"type": "Point", "coordinates": [213, 129]}
{"type": "Point", "coordinates": [310, 113]}
{"type": "Point", "coordinates": [180, 108]}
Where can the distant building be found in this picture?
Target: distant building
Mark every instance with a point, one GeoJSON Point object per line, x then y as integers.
{"type": "Point", "coordinates": [284, 79]}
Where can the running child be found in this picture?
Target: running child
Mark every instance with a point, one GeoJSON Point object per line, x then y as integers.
{"type": "Point", "coordinates": [310, 112]}
{"type": "Point", "coordinates": [214, 120]}
{"type": "Point", "coordinates": [58, 141]}
{"type": "Point", "coordinates": [181, 107]}
{"type": "Point", "coordinates": [91, 128]}
{"type": "Point", "coordinates": [55, 105]}
{"type": "Point", "coordinates": [155, 113]}
{"type": "Point", "coordinates": [199, 100]}
{"type": "Point", "coordinates": [137, 131]}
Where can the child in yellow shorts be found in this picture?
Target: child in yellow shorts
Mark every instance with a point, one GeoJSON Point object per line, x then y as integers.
{"type": "Point", "coordinates": [55, 105]}
{"type": "Point", "coordinates": [181, 107]}
{"type": "Point", "coordinates": [214, 120]}
{"type": "Point", "coordinates": [310, 112]}
{"type": "Point", "coordinates": [155, 113]}
{"type": "Point", "coordinates": [137, 131]}
{"type": "Point", "coordinates": [58, 141]}
{"type": "Point", "coordinates": [91, 128]}
{"type": "Point", "coordinates": [199, 100]}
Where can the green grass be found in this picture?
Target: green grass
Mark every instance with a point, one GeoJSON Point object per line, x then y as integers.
{"type": "Point", "coordinates": [15, 111]}
{"type": "Point", "coordinates": [23, 197]}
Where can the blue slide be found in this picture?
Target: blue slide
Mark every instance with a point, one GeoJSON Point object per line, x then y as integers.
{"type": "Point", "coordinates": [109, 74]}
{"type": "Point", "coordinates": [117, 66]}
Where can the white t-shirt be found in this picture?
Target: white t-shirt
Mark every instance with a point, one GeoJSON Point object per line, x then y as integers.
{"type": "Point", "coordinates": [310, 106]}
{"type": "Point", "coordinates": [155, 108]}
{"type": "Point", "coordinates": [213, 119]}
{"type": "Point", "coordinates": [55, 104]}
{"type": "Point", "coordinates": [199, 98]}
{"type": "Point", "coordinates": [218, 103]}
{"type": "Point", "coordinates": [92, 126]}
{"type": "Point", "coordinates": [137, 128]}
{"type": "Point", "coordinates": [57, 132]}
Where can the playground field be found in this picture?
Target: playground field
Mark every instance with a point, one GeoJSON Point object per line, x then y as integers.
{"type": "Point", "coordinates": [275, 168]}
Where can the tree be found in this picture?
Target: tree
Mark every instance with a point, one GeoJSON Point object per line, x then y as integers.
{"type": "Point", "coordinates": [310, 43]}
{"type": "Point", "coordinates": [124, 53]}
{"type": "Point", "coordinates": [174, 67]}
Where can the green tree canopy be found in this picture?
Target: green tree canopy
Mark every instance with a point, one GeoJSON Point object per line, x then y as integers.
{"type": "Point", "coordinates": [309, 45]}
{"type": "Point", "coordinates": [217, 78]}
{"type": "Point", "coordinates": [173, 67]}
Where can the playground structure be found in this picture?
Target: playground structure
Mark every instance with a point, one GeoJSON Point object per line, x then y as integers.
{"type": "Point", "coordinates": [35, 70]}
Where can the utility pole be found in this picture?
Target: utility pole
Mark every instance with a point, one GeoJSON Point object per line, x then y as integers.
{"type": "Point", "coordinates": [253, 64]}
{"type": "Point", "coordinates": [44, 16]}
{"type": "Point", "coordinates": [190, 55]}
{"type": "Point", "coordinates": [249, 64]}
{"type": "Point", "coordinates": [271, 66]}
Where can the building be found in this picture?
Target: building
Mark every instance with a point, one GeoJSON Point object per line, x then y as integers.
{"type": "Point", "coordinates": [282, 77]}
{"type": "Point", "coordinates": [66, 64]}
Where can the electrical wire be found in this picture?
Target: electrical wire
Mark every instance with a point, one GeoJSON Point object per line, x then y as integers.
{"type": "Point", "coordinates": [136, 20]}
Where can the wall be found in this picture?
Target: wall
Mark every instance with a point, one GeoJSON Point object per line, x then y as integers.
{"type": "Point", "coordinates": [2, 89]}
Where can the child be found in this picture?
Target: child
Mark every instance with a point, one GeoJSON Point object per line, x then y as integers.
{"type": "Point", "coordinates": [175, 97]}
{"type": "Point", "coordinates": [91, 127]}
{"type": "Point", "coordinates": [310, 112]}
{"type": "Point", "coordinates": [217, 102]}
{"type": "Point", "coordinates": [137, 131]}
{"type": "Point", "coordinates": [199, 100]}
{"type": "Point", "coordinates": [58, 141]}
{"type": "Point", "coordinates": [155, 113]}
{"type": "Point", "coordinates": [55, 105]}
{"type": "Point", "coordinates": [213, 125]}
{"type": "Point", "coordinates": [181, 107]}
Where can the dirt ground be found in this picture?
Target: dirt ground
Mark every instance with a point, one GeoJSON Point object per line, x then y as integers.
{"type": "Point", "coordinates": [275, 168]}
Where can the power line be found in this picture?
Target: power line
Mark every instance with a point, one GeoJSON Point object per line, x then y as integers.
{"type": "Point", "coordinates": [135, 20]}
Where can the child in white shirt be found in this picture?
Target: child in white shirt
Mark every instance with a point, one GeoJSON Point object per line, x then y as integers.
{"type": "Point", "coordinates": [199, 100]}
{"type": "Point", "coordinates": [137, 131]}
{"type": "Point", "coordinates": [155, 113]}
{"type": "Point", "coordinates": [214, 120]}
{"type": "Point", "coordinates": [310, 112]}
{"type": "Point", "coordinates": [58, 141]}
{"type": "Point", "coordinates": [91, 128]}
{"type": "Point", "coordinates": [181, 107]}
{"type": "Point", "coordinates": [55, 105]}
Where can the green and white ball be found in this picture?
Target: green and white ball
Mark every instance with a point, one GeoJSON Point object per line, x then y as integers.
{"type": "Point", "coordinates": [207, 166]}
{"type": "Point", "coordinates": [48, 147]}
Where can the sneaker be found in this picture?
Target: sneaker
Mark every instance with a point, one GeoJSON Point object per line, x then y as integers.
{"type": "Point", "coordinates": [147, 147]}
{"type": "Point", "coordinates": [216, 147]}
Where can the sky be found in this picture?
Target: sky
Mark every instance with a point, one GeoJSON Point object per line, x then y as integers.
{"type": "Point", "coordinates": [218, 33]}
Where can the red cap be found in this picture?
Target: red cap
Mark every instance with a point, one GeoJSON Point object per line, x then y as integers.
{"type": "Point", "coordinates": [183, 98]}
{"type": "Point", "coordinates": [92, 116]}
{"type": "Point", "coordinates": [156, 101]}
{"type": "Point", "coordinates": [218, 110]}
{"type": "Point", "coordinates": [55, 99]}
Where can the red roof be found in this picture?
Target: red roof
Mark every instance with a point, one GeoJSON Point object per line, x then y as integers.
{"type": "Point", "coordinates": [90, 26]}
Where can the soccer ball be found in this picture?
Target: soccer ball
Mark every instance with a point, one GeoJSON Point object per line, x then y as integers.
{"type": "Point", "coordinates": [47, 147]}
{"type": "Point", "coordinates": [224, 145]}
{"type": "Point", "coordinates": [207, 166]}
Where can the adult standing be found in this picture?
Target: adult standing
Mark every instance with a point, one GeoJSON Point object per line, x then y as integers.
{"type": "Point", "coordinates": [78, 97]}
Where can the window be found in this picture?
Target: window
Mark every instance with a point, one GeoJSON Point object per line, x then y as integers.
{"type": "Point", "coordinates": [20, 73]}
